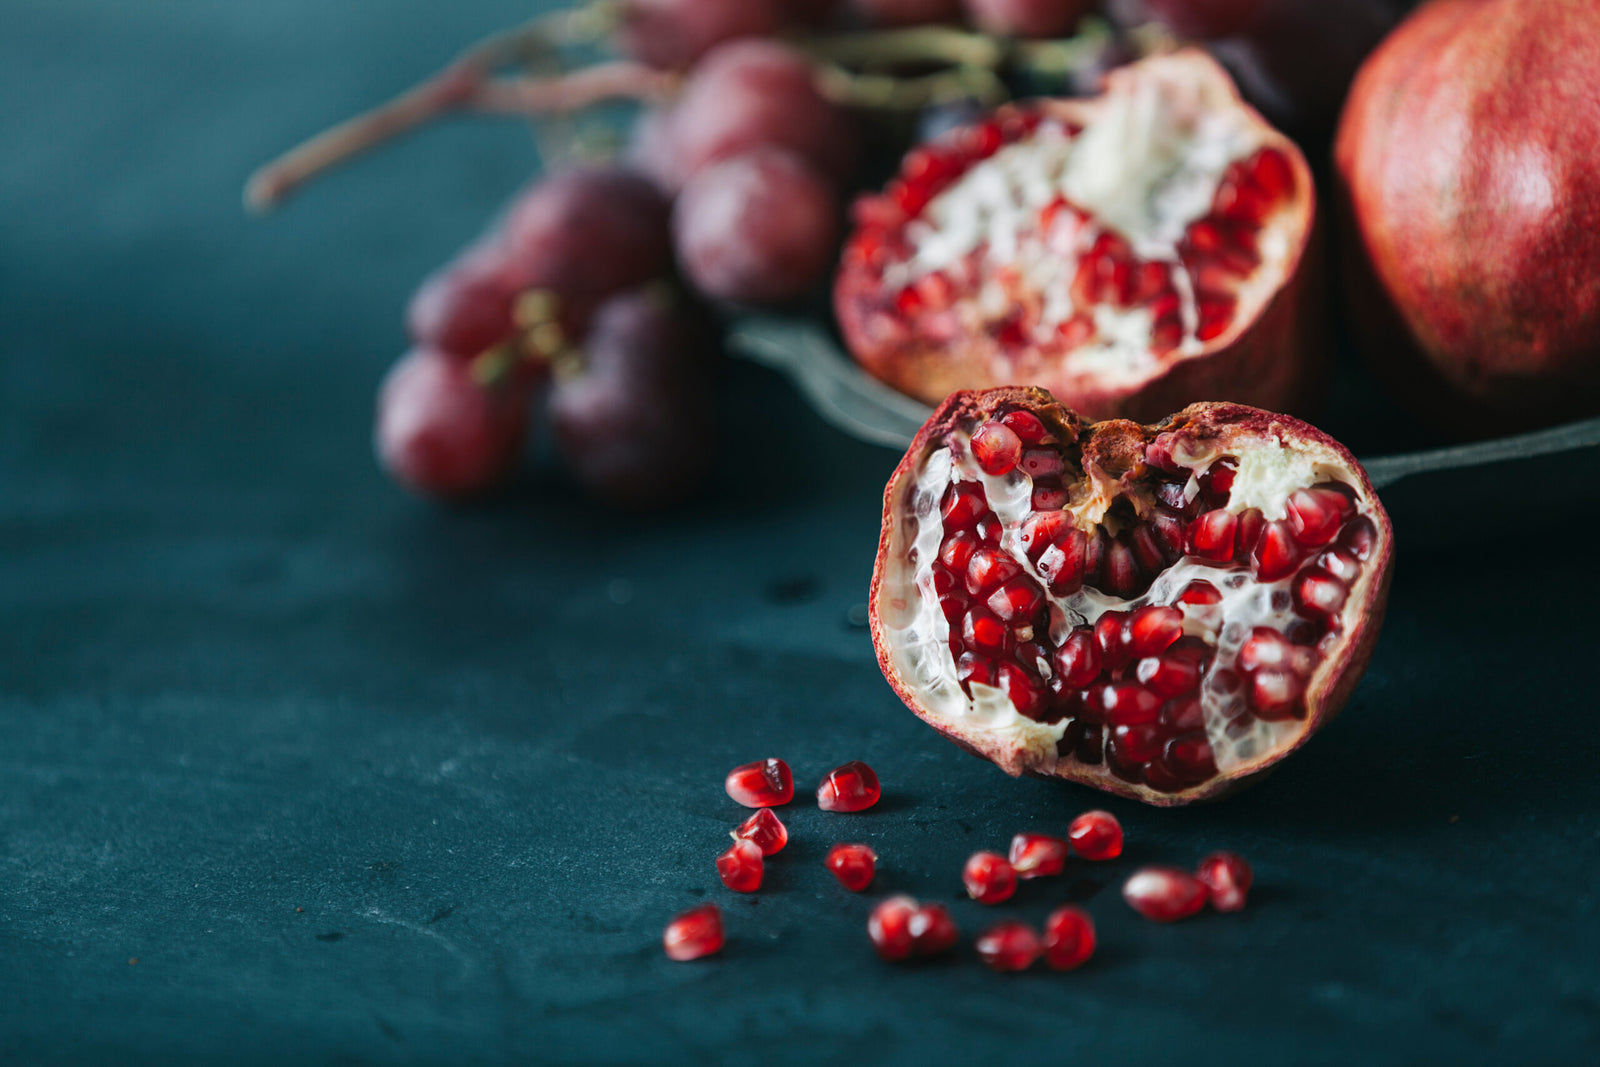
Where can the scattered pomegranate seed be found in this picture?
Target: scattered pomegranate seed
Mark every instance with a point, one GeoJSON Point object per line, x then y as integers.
{"type": "Point", "coordinates": [933, 931]}
{"type": "Point", "coordinates": [1037, 855]}
{"type": "Point", "coordinates": [1096, 835]}
{"type": "Point", "coordinates": [989, 878]}
{"type": "Point", "coordinates": [889, 927]}
{"type": "Point", "coordinates": [764, 829]}
{"type": "Point", "coordinates": [1009, 946]}
{"type": "Point", "coordinates": [694, 934]}
{"type": "Point", "coordinates": [740, 867]}
{"type": "Point", "coordinates": [1227, 878]}
{"type": "Point", "coordinates": [852, 787]}
{"type": "Point", "coordinates": [1164, 894]}
{"type": "Point", "coordinates": [1068, 938]}
{"type": "Point", "coordinates": [853, 865]}
{"type": "Point", "coordinates": [762, 784]}
{"type": "Point", "coordinates": [997, 448]}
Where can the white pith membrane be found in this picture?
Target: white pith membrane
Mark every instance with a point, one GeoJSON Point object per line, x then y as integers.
{"type": "Point", "coordinates": [1146, 167]}
{"type": "Point", "coordinates": [918, 633]}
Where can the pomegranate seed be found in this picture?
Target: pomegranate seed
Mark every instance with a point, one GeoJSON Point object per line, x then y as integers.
{"type": "Point", "coordinates": [852, 787]}
{"type": "Point", "coordinates": [1042, 529]}
{"type": "Point", "coordinates": [957, 550]}
{"type": "Point", "coordinates": [1121, 572]}
{"type": "Point", "coordinates": [1169, 676]}
{"type": "Point", "coordinates": [988, 569]}
{"type": "Point", "coordinates": [1277, 554]}
{"type": "Point", "coordinates": [1026, 425]}
{"type": "Point", "coordinates": [982, 631]}
{"type": "Point", "coordinates": [1189, 756]}
{"type": "Point", "coordinates": [1137, 744]}
{"type": "Point", "coordinates": [1249, 533]}
{"type": "Point", "coordinates": [1265, 647]}
{"type": "Point", "coordinates": [1068, 938]}
{"type": "Point", "coordinates": [1037, 855]}
{"type": "Point", "coordinates": [889, 927]}
{"type": "Point", "coordinates": [997, 448]}
{"type": "Point", "coordinates": [1017, 599]}
{"type": "Point", "coordinates": [1227, 878]}
{"type": "Point", "coordinates": [1096, 835]}
{"type": "Point", "coordinates": [1026, 693]}
{"type": "Point", "coordinates": [1341, 564]}
{"type": "Point", "coordinates": [765, 831]}
{"type": "Point", "coordinates": [1201, 593]}
{"type": "Point", "coordinates": [988, 530]}
{"type": "Point", "coordinates": [1316, 514]}
{"type": "Point", "coordinates": [1185, 714]}
{"type": "Point", "coordinates": [1127, 704]}
{"type": "Point", "coordinates": [762, 784]}
{"type": "Point", "coordinates": [989, 878]}
{"type": "Point", "coordinates": [1041, 463]}
{"type": "Point", "coordinates": [975, 668]}
{"type": "Point", "coordinates": [740, 867]}
{"type": "Point", "coordinates": [1270, 172]}
{"type": "Point", "coordinates": [1359, 537]}
{"type": "Point", "coordinates": [1009, 946]}
{"type": "Point", "coordinates": [1151, 629]}
{"type": "Point", "coordinates": [1164, 894]}
{"type": "Point", "coordinates": [1062, 563]}
{"type": "Point", "coordinates": [694, 934]}
{"type": "Point", "coordinates": [1211, 536]}
{"type": "Point", "coordinates": [933, 931]}
{"type": "Point", "coordinates": [1275, 695]}
{"type": "Point", "coordinates": [964, 504]}
{"type": "Point", "coordinates": [853, 865]}
{"type": "Point", "coordinates": [1077, 662]}
{"type": "Point", "coordinates": [1108, 640]}
{"type": "Point", "coordinates": [1319, 593]}
{"type": "Point", "coordinates": [1048, 497]}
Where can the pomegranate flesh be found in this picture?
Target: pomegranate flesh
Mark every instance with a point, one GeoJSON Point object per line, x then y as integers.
{"type": "Point", "coordinates": [1009, 946]}
{"type": "Point", "coordinates": [1037, 855]}
{"type": "Point", "coordinates": [1466, 161]}
{"type": "Point", "coordinates": [853, 865]}
{"type": "Point", "coordinates": [1096, 835]}
{"type": "Point", "coordinates": [989, 878]}
{"type": "Point", "coordinates": [1068, 938]}
{"type": "Point", "coordinates": [1164, 894]}
{"type": "Point", "coordinates": [1131, 253]}
{"type": "Point", "coordinates": [765, 830]}
{"type": "Point", "coordinates": [1227, 877]}
{"type": "Point", "coordinates": [694, 934]}
{"type": "Point", "coordinates": [852, 787]}
{"type": "Point", "coordinates": [900, 927]}
{"type": "Point", "coordinates": [1159, 611]}
{"type": "Point", "coordinates": [740, 868]}
{"type": "Point", "coordinates": [765, 783]}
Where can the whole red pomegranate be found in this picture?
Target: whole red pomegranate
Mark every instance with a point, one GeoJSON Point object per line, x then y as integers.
{"type": "Point", "coordinates": [1131, 253]}
{"type": "Point", "coordinates": [1158, 611]}
{"type": "Point", "coordinates": [1471, 179]}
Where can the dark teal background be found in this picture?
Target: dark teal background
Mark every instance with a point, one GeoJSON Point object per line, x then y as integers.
{"type": "Point", "coordinates": [357, 779]}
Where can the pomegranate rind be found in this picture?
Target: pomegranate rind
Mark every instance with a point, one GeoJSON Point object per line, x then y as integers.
{"type": "Point", "coordinates": [1113, 452]}
{"type": "Point", "coordinates": [1272, 354]}
{"type": "Point", "coordinates": [1471, 212]}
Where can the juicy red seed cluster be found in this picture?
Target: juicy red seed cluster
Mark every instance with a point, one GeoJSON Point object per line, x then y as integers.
{"type": "Point", "coordinates": [1167, 894]}
{"type": "Point", "coordinates": [901, 928]}
{"type": "Point", "coordinates": [1129, 683]}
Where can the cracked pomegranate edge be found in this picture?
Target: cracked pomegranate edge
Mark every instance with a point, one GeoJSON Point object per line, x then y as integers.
{"type": "Point", "coordinates": [1109, 444]}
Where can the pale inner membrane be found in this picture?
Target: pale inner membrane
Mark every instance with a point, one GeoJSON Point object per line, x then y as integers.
{"type": "Point", "coordinates": [921, 633]}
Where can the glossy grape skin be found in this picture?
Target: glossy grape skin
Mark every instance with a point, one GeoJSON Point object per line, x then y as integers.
{"type": "Point", "coordinates": [1027, 18]}
{"type": "Point", "coordinates": [906, 12]}
{"type": "Point", "coordinates": [760, 228]}
{"type": "Point", "coordinates": [467, 305]}
{"type": "Point", "coordinates": [674, 34]}
{"type": "Point", "coordinates": [439, 433]}
{"type": "Point", "coordinates": [635, 427]}
{"type": "Point", "coordinates": [750, 93]}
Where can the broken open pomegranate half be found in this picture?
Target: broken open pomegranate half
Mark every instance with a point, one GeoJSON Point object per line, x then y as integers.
{"type": "Point", "coordinates": [1131, 253]}
{"type": "Point", "coordinates": [1158, 611]}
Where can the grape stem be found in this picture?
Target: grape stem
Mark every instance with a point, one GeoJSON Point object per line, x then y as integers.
{"type": "Point", "coordinates": [466, 85]}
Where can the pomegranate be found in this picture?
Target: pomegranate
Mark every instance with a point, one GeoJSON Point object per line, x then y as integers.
{"type": "Point", "coordinates": [989, 878]}
{"type": "Point", "coordinates": [1096, 835]}
{"type": "Point", "coordinates": [901, 927]}
{"type": "Point", "coordinates": [1068, 938]}
{"type": "Point", "coordinates": [852, 787]}
{"type": "Point", "coordinates": [740, 868]}
{"type": "Point", "coordinates": [694, 934]}
{"type": "Point", "coordinates": [1160, 611]}
{"type": "Point", "coordinates": [1164, 894]}
{"type": "Point", "coordinates": [1009, 946]}
{"type": "Point", "coordinates": [1467, 169]}
{"type": "Point", "coordinates": [1227, 877]}
{"type": "Point", "coordinates": [1131, 253]}
{"type": "Point", "coordinates": [854, 865]}
{"type": "Point", "coordinates": [1037, 855]}
{"type": "Point", "coordinates": [765, 830]}
{"type": "Point", "coordinates": [763, 784]}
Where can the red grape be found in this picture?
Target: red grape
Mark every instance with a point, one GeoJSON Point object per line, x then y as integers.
{"type": "Point", "coordinates": [758, 228]}
{"type": "Point", "coordinates": [907, 12]}
{"type": "Point", "coordinates": [590, 232]}
{"type": "Point", "coordinates": [676, 33]}
{"type": "Point", "coordinates": [1027, 18]}
{"type": "Point", "coordinates": [635, 427]}
{"type": "Point", "coordinates": [757, 92]}
{"type": "Point", "coordinates": [466, 306]}
{"type": "Point", "coordinates": [442, 434]}
{"type": "Point", "coordinates": [652, 151]}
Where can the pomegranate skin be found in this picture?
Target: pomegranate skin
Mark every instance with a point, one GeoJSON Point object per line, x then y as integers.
{"type": "Point", "coordinates": [1116, 449]}
{"type": "Point", "coordinates": [1472, 204]}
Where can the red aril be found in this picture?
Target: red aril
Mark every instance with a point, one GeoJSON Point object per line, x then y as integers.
{"type": "Point", "coordinates": [1068, 938]}
{"type": "Point", "coordinates": [989, 878]}
{"type": "Point", "coordinates": [694, 934]}
{"type": "Point", "coordinates": [1096, 835]}
{"type": "Point", "coordinates": [1164, 894]}
{"type": "Point", "coordinates": [901, 927]}
{"type": "Point", "coordinates": [1465, 154]}
{"type": "Point", "coordinates": [1131, 253]}
{"type": "Point", "coordinates": [740, 868]}
{"type": "Point", "coordinates": [1227, 879]}
{"type": "Point", "coordinates": [1008, 946]}
{"type": "Point", "coordinates": [1170, 668]}
{"type": "Point", "coordinates": [1037, 855]}
{"type": "Point", "coordinates": [765, 830]}
{"type": "Point", "coordinates": [763, 784]}
{"type": "Point", "coordinates": [933, 931]}
{"type": "Point", "coordinates": [852, 787]}
{"type": "Point", "coordinates": [854, 865]}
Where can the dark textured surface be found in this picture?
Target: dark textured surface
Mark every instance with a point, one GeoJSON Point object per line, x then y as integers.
{"type": "Point", "coordinates": [355, 779]}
